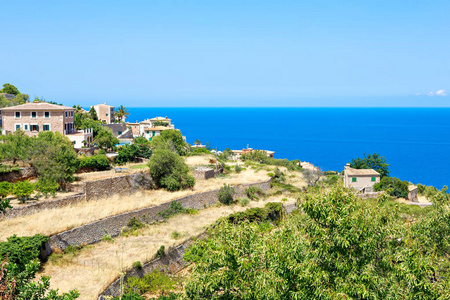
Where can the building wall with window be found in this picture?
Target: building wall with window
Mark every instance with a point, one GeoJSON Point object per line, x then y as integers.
{"type": "Point", "coordinates": [360, 179]}
{"type": "Point", "coordinates": [105, 113]}
{"type": "Point", "coordinates": [33, 118]}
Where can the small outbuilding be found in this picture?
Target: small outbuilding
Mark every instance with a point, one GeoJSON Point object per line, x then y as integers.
{"type": "Point", "coordinates": [413, 193]}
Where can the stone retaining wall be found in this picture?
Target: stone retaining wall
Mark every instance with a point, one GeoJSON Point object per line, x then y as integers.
{"type": "Point", "coordinates": [93, 232]}
{"type": "Point", "coordinates": [23, 174]}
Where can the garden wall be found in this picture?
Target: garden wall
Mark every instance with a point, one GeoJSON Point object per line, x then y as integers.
{"type": "Point", "coordinates": [93, 232]}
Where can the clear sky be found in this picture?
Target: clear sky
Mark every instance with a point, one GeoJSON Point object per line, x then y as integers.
{"type": "Point", "coordinates": [229, 53]}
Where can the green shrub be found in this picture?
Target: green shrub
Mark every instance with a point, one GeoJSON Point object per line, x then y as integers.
{"type": "Point", "coordinates": [200, 151]}
{"type": "Point", "coordinates": [5, 189]}
{"type": "Point", "coordinates": [97, 162]}
{"type": "Point", "coordinates": [254, 192]}
{"type": "Point", "coordinates": [175, 235]}
{"type": "Point", "coordinates": [107, 238]}
{"type": "Point", "coordinates": [237, 168]}
{"type": "Point", "coordinates": [137, 265]}
{"type": "Point", "coordinates": [175, 207]}
{"type": "Point", "coordinates": [272, 211]}
{"type": "Point", "coordinates": [21, 250]}
{"type": "Point", "coordinates": [153, 282]}
{"type": "Point", "coordinates": [169, 171]}
{"type": "Point", "coordinates": [101, 152]}
{"type": "Point", "coordinates": [4, 205]}
{"type": "Point", "coordinates": [23, 190]}
{"type": "Point", "coordinates": [134, 223]}
{"type": "Point", "coordinates": [244, 201]}
{"type": "Point", "coordinates": [226, 194]}
{"type": "Point", "coordinates": [161, 252]}
{"type": "Point", "coordinates": [47, 186]}
{"type": "Point", "coordinates": [394, 187]}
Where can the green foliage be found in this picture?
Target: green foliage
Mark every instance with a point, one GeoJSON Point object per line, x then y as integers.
{"type": "Point", "coordinates": [254, 192]}
{"type": "Point", "coordinates": [160, 123]}
{"type": "Point", "coordinates": [5, 189]}
{"type": "Point", "coordinates": [339, 248]}
{"type": "Point", "coordinates": [134, 223]}
{"type": "Point", "coordinates": [175, 208]}
{"type": "Point", "coordinates": [225, 155]}
{"type": "Point", "coordinates": [8, 168]}
{"type": "Point", "coordinates": [141, 140]}
{"type": "Point", "coordinates": [105, 138]}
{"type": "Point", "coordinates": [20, 283]}
{"type": "Point", "coordinates": [237, 168]}
{"type": "Point", "coordinates": [150, 283]}
{"type": "Point", "coordinates": [54, 157]}
{"type": "Point", "coordinates": [394, 187]}
{"type": "Point", "coordinates": [16, 146]}
{"type": "Point", "coordinates": [107, 238]}
{"type": "Point", "coordinates": [47, 186]}
{"type": "Point", "coordinates": [9, 89]}
{"type": "Point", "coordinates": [121, 113]}
{"type": "Point", "coordinates": [93, 114]}
{"type": "Point", "coordinates": [226, 194]}
{"type": "Point", "coordinates": [4, 205]}
{"type": "Point", "coordinates": [175, 235]}
{"type": "Point", "coordinates": [200, 151]}
{"type": "Point", "coordinates": [170, 139]}
{"type": "Point", "coordinates": [23, 190]}
{"type": "Point", "coordinates": [277, 176]}
{"type": "Point", "coordinates": [137, 265]}
{"type": "Point", "coordinates": [127, 153]}
{"type": "Point", "coordinates": [97, 162]}
{"type": "Point", "coordinates": [244, 201]}
{"type": "Point", "coordinates": [21, 250]}
{"type": "Point", "coordinates": [371, 161]}
{"type": "Point", "coordinates": [169, 171]}
{"type": "Point", "coordinates": [161, 252]}
{"type": "Point", "coordinates": [272, 212]}
{"type": "Point", "coordinates": [260, 156]}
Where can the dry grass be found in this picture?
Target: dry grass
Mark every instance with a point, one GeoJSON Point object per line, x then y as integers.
{"type": "Point", "coordinates": [53, 221]}
{"type": "Point", "coordinates": [94, 267]}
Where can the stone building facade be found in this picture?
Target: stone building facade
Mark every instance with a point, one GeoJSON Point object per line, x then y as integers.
{"type": "Point", "coordinates": [361, 180]}
{"type": "Point", "coordinates": [105, 113]}
{"type": "Point", "coordinates": [33, 118]}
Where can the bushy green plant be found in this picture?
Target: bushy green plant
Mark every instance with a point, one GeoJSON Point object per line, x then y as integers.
{"type": "Point", "coordinates": [394, 187]}
{"type": "Point", "coordinates": [5, 189]}
{"type": "Point", "coordinates": [47, 186]}
{"type": "Point", "coordinates": [244, 201]}
{"type": "Point", "coordinates": [169, 170]}
{"type": "Point", "coordinates": [23, 190]}
{"type": "Point", "coordinates": [101, 152]}
{"type": "Point", "coordinates": [134, 223]}
{"type": "Point", "coordinates": [97, 162]}
{"type": "Point", "coordinates": [254, 192]}
{"type": "Point", "coordinates": [21, 250]}
{"type": "Point", "coordinates": [237, 168]}
{"type": "Point", "coordinates": [175, 235]}
{"type": "Point", "coordinates": [226, 194]}
{"type": "Point", "coordinates": [200, 151]}
{"type": "Point", "coordinates": [155, 281]}
{"type": "Point", "coordinates": [161, 252]}
{"type": "Point", "coordinates": [137, 265]}
{"type": "Point", "coordinates": [175, 207]}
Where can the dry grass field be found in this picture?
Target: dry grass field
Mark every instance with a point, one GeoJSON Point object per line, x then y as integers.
{"type": "Point", "coordinates": [53, 221]}
{"type": "Point", "coordinates": [93, 268]}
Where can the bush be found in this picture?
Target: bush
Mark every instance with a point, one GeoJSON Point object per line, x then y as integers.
{"type": "Point", "coordinates": [23, 190]}
{"type": "Point", "coordinates": [244, 201]}
{"type": "Point", "coordinates": [226, 194]}
{"type": "Point", "coordinates": [394, 187]}
{"type": "Point", "coordinates": [21, 250]}
{"type": "Point", "coordinates": [170, 171]}
{"type": "Point", "coordinates": [237, 168]}
{"type": "Point", "coordinates": [270, 212]}
{"type": "Point", "coordinates": [47, 186]}
{"type": "Point", "coordinates": [200, 151]}
{"type": "Point", "coordinates": [161, 252]}
{"type": "Point", "coordinates": [5, 189]}
{"type": "Point", "coordinates": [175, 207]}
{"type": "Point", "coordinates": [134, 223]}
{"type": "Point", "coordinates": [153, 282]}
{"type": "Point", "coordinates": [137, 265]}
{"type": "Point", "coordinates": [97, 162]}
{"type": "Point", "coordinates": [254, 192]}
{"type": "Point", "coordinates": [175, 235]}
{"type": "Point", "coordinates": [101, 152]}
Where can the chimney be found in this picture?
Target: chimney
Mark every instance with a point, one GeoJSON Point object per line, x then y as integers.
{"type": "Point", "coordinates": [347, 166]}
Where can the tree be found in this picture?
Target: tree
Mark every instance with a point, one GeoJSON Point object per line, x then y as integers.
{"type": "Point", "coordinates": [394, 187]}
{"type": "Point", "coordinates": [15, 146]}
{"type": "Point", "coordinates": [197, 142]}
{"type": "Point", "coordinates": [87, 123]}
{"type": "Point", "coordinates": [226, 194]}
{"type": "Point", "coordinates": [169, 138]}
{"type": "Point", "coordinates": [312, 177]}
{"type": "Point", "coordinates": [47, 186]}
{"type": "Point", "coordinates": [93, 114]}
{"type": "Point", "coordinates": [169, 170]}
{"type": "Point", "coordinates": [121, 113]}
{"type": "Point", "coordinates": [5, 190]}
{"type": "Point", "coordinates": [371, 161]}
{"type": "Point", "coordinates": [105, 139]}
{"type": "Point", "coordinates": [54, 158]}
{"type": "Point", "coordinates": [339, 248]}
{"type": "Point", "coordinates": [9, 89]}
{"type": "Point", "coordinates": [23, 190]}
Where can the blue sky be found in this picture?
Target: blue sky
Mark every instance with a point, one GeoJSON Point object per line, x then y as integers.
{"type": "Point", "coordinates": [229, 53]}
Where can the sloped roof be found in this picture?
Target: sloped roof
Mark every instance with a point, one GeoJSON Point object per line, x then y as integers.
{"type": "Point", "coordinates": [157, 128]}
{"type": "Point", "coordinates": [361, 172]}
{"type": "Point", "coordinates": [38, 106]}
{"type": "Point", "coordinates": [160, 119]}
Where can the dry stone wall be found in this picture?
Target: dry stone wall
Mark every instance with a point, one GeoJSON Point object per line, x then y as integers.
{"type": "Point", "coordinates": [93, 232]}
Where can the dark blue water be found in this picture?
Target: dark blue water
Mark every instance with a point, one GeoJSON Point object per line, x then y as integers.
{"type": "Point", "coordinates": [415, 141]}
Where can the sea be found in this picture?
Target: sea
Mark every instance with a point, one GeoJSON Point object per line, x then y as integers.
{"type": "Point", "coordinates": [414, 141]}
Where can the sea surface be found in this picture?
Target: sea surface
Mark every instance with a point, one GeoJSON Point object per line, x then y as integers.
{"type": "Point", "coordinates": [415, 141]}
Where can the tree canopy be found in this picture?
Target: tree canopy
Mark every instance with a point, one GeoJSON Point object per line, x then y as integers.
{"type": "Point", "coordinates": [171, 139]}
{"type": "Point", "coordinates": [371, 161]}
{"type": "Point", "coordinates": [9, 89]}
{"type": "Point", "coordinates": [121, 112]}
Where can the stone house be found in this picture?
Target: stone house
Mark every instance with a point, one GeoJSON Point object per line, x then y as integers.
{"type": "Point", "coordinates": [33, 118]}
{"type": "Point", "coordinates": [239, 153]}
{"type": "Point", "coordinates": [81, 138]}
{"type": "Point", "coordinates": [361, 180]}
{"type": "Point", "coordinates": [413, 193]}
{"type": "Point", "coordinates": [105, 113]}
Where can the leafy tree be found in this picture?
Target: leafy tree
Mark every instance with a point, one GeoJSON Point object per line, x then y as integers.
{"type": "Point", "coordinates": [47, 186]}
{"type": "Point", "coordinates": [96, 126]}
{"type": "Point", "coordinates": [15, 146]}
{"type": "Point", "coordinates": [23, 190]}
{"type": "Point", "coordinates": [226, 194]}
{"type": "Point", "coordinates": [169, 170]}
{"type": "Point", "coordinates": [9, 89]}
{"type": "Point", "coordinates": [371, 161]}
{"type": "Point", "coordinates": [208, 146]}
{"type": "Point", "coordinates": [105, 139]}
{"type": "Point", "coordinates": [5, 189]}
{"type": "Point", "coordinates": [97, 162]}
{"type": "Point", "coordinates": [141, 140]}
{"type": "Point", "coordinates": [127, 153]}
{"type": "Point", "coordinates": [339, 248]}
{"type": "Point", "coordinates": [121, 112]}
{"type": "Point", "coordinates": [93, 114]}
{"type": "Point", "coordinates": [394, 187]}
{"type": "Point", "coordinates": [170, 138]}
{"type": "Point", "coordinates": [197, 142]}
{"type": "Point", "coordinates": [54, 158]}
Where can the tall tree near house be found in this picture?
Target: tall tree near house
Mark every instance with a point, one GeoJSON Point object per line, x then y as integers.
{"type": "Point", "coordinates": [15, 147]}
{"type": "Point", "coordinates": [197, 142]}
{"type": "Point", "coordinates": [9, 89]}
{"type": "Point", "coordinates": [371, 161]}
{"type": "Point", "coordinates": [121, 112]}
{"type": "Point", "coordinates": [93, 114]}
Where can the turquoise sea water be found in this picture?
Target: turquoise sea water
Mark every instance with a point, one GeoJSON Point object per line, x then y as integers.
{"type": "Point", "coordinates": [415, 141]}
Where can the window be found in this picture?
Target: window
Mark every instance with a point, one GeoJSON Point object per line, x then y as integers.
{"type": "Point", "coordinates": [373, 179]}
{"type": "Point", "coordinates": [18, 114]}
{"type": "Point", "coordinates": [33, 114]}
{"type": "Point", "coordinates": [120, 132]}
{"type": "Point", "coordinates": [66, 114]}
{"type": "Point", "coordinates": [17, 126]}
{"type": "Point", "coordinates": [354, 179]}
{"type": "Point", "coordinates": [46, 127]}
{"type": "Point", "coordinates": [25, 127]}
{"type": "Point", "coordinates": [47, 114]}
{"type": "Point", "coordinates": [34, 127]}
{"type": "Point", "coordinates": [106, 114]}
